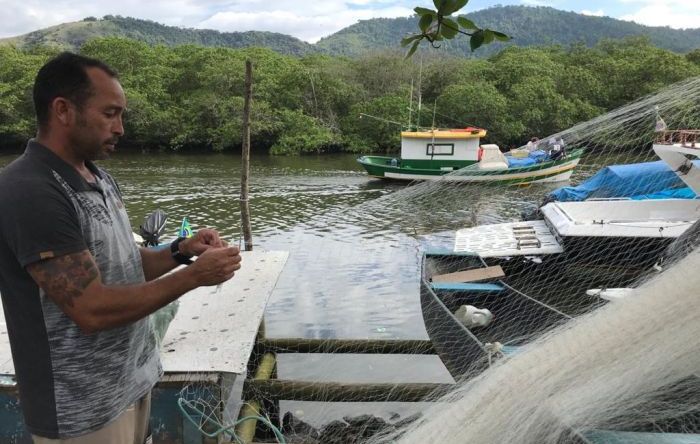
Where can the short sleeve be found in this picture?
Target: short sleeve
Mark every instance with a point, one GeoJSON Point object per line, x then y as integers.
{"type": "Point", "coordinates": [40, 222]}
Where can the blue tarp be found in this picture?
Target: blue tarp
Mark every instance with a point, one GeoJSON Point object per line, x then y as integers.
{"type": "Point", "coordinates": [515, 162]}
{"type": "Point", "coordinates": [534, 157]}
{"type": "Point", "coordinates": [632, 180]}
{"type": "Point", "coordinates": [539, 155]}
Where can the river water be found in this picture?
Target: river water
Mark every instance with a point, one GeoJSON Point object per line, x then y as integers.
{"type": "Point", "coordinates": [353, 268]}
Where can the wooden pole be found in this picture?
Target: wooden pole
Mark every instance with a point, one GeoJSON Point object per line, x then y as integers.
{"type": "Point", "coordinates": [375, 346]}
{"type": "Point", "coordinates": [342, 392]}
{"type": "Point", "coordinates": [245, 154]}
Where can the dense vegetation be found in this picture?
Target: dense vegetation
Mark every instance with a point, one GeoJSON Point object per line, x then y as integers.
{"type": "Point", "coordinates": [71, 36]}
{"type": "Point", "coordinates": [189, 96]}
{"type": "Point", "coordinates": [527, 25]}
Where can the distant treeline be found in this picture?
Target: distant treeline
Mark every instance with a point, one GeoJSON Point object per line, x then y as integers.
{"type": "Point", "coordinates": [191, 97]}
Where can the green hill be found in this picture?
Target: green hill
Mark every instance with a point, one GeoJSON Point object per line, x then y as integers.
{"type": "Point", "coordinates": [527, 25]}
{"type": "Point", "coordinates": [73, 35]}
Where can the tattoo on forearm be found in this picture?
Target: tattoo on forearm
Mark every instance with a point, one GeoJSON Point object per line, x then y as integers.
{"type": "Point", "coordinates": [65, 277]}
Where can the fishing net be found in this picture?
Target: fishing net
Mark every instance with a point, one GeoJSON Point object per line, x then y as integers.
{"type": "Point", "coordinates": [551, 315]}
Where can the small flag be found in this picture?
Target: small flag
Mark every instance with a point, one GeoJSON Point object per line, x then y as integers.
{"type": "Point", "coordinates": [185, 228]}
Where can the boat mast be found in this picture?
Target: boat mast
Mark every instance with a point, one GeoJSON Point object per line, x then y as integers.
{"type": "Point", "coordinates": [410, 106]}
{"type": "Point", "coordinates": [420, 79]}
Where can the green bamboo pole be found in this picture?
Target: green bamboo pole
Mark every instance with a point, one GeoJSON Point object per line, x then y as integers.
{"type": "Point", "coordinates": [246, 430]}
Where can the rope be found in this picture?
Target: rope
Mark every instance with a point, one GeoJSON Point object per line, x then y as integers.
{"type": "Point", "coordinates": [181, 403]}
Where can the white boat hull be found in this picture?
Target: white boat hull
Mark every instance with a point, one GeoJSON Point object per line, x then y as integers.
{"type": "Point", "coordinates": [555, 173]}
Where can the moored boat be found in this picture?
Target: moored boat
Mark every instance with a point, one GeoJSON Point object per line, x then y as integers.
{"type": "Point", "coordinates": [620, 230]}
{"type": "Point", "coordinates": [434, 154]}
{"type": "Point", "coordinates": [472, 316]}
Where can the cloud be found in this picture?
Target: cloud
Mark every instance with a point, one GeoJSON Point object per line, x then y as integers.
{"type": "Point", "coordinates": [598, 13]}
{"type": "Point", "coordinates": [674, 13]}
{"type": "Point", "coordinates": [308, 24]}
{"type": "Point", "coordinates": [22, 16]}
{"type": "Point", "coordinates": [307, 20]}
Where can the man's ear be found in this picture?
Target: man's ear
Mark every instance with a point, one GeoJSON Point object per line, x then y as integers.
{"type": "Point", "coordinates": [63, 110]}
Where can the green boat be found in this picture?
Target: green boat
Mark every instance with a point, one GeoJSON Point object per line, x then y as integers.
{"type": "Point", "coordinates": [434, 154]}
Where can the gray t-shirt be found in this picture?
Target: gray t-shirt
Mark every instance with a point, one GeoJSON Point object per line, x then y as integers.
{"type": "Point", "coordinates": [70, 383]}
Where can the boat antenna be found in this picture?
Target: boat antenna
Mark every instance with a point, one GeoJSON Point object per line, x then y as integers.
{"type": "Point", "coordinates": [410, 106]}
{"type": "Point", "coordinates": [380, 119]}
{"type": "Point", "coordinates": [420, 82]}
{"type": "Point", "coordinates": [434, 106]}
{"type": "Point", "coordinates": [313, 91]}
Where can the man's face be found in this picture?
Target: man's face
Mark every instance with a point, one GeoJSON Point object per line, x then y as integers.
{"type": "Point", "coordinates": [97, 126]}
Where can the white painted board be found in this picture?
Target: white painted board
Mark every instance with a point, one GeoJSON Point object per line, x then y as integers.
{"type": "Point", "coordinates": [528, 238]}
{"type": "Point", "coordinates": [6, 365]}
{"type": "Point", "coordinates": [215, 331]}
{"type": "Point", "coordinates": [211, 332]}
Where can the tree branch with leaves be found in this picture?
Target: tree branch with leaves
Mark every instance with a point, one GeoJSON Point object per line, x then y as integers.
{"type": "Point", "coordinates": [439, 24]}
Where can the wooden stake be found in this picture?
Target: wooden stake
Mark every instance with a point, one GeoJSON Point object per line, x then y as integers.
{"type": "Point", "coordinates": [245, 162]}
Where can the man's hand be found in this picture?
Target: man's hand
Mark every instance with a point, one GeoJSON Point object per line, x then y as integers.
{"type": "Point", "coordinates": [203, 240]}
{"type": "Point", "coordinates": [215, 265]}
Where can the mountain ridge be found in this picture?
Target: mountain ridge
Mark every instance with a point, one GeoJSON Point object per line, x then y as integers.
{"type": "Point", "coordinates": [528, 25]}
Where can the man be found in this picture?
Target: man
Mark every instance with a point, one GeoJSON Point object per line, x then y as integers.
{"type": "Point", "coordinates": [532, 144]}
{"type": "Point", "coordinates": [76, 290]}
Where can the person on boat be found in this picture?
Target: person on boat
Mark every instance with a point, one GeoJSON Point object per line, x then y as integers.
{"type": "Point", "coordinates": [556, 150]}
{"type": "Point", "coordinates": [76, 289]}
{"type": "Point", "coordinates": [532, 144]}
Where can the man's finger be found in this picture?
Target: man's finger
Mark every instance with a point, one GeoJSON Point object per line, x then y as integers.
{"type": "Point", "coordinates": [211, 237]}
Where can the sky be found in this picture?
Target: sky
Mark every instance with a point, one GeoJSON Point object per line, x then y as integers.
{"type": "Point", "coordinates": [308, 20]}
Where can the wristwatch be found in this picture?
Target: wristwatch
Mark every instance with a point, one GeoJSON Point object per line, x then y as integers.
{"type": "Point", "coordinates": [175, 252]}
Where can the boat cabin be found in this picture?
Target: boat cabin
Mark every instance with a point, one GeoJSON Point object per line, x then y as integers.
{"type": "Point", "coordinates": [452, 144]}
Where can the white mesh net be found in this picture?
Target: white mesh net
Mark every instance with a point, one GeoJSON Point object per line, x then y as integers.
{"type": "Point", "coordinates": [591, 340]}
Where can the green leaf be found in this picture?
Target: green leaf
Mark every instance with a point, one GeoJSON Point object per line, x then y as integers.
{"type": "Point", "coordinates": [443, 6]}
{"type": "Point", "coordinates": [488, 36]}
{"type": "Point", "coordinates": [425, 22]}
{"type": "Point", "coordinates": [466, 23]}
{"type": "Point", "coordinates": [476, 40]}
{"type": "Point", "coordinates": [449, 28]}
{"type": "Point", "coordinates": [454, 6]}
{"type": "Point", "coordinates": [406, 40]}
{"type": "Point", "coordinates": [500, 36]}
{"type": "Point", "coordinates": [439, 4]}
{"type": "Point", "coordinates": [422, 11]}
{"type": "Point", "coordinates": [413, 49]}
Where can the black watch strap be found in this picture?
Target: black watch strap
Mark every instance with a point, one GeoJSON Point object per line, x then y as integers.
{"type": "Point", "coordinates": [175, 252]}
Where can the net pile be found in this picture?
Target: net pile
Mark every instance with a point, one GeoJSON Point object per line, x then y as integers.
{"type": "Point", "coordinates": [535, 359]}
